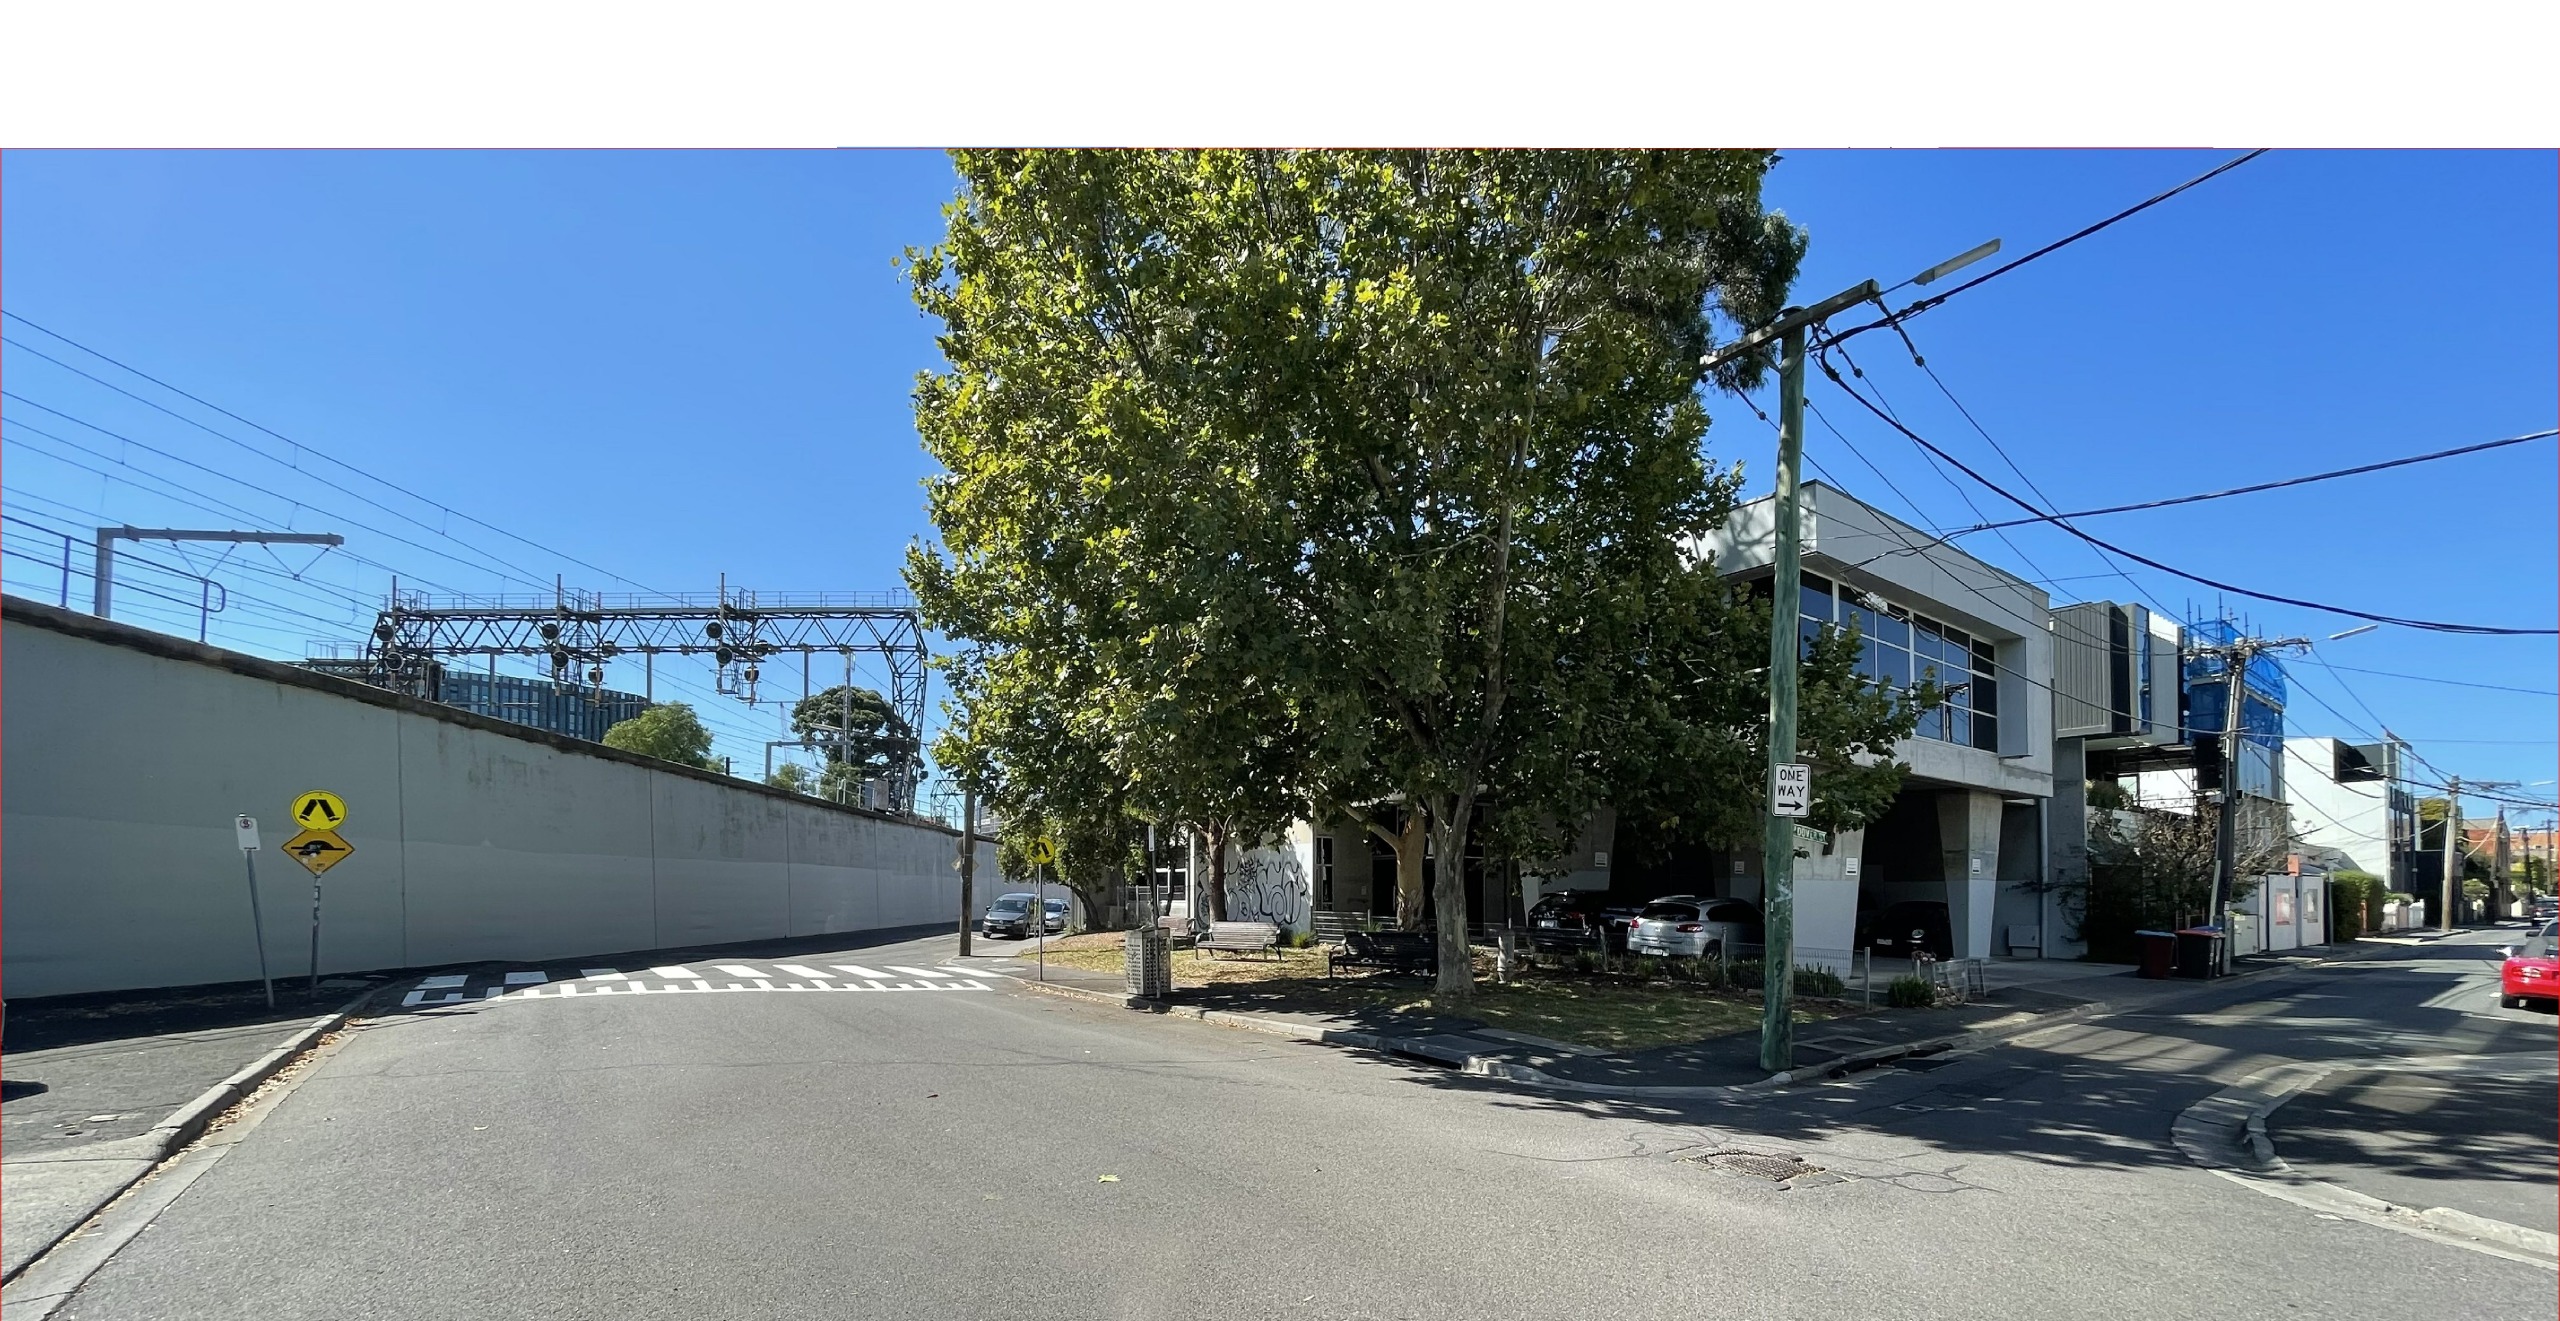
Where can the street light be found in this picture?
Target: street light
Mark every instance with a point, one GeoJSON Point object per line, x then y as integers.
{"type": "Point", "coordinates": [2360, 628]}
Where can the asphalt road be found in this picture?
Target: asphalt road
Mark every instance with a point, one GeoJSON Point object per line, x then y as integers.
{"type": "Point", "coordinates": [1003, 1154]}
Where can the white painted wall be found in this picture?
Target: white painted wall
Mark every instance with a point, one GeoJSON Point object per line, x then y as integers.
{"type": "Point", "coordinates": [2354, 819]}
{"type": "Point", "coordinates": [129, 754]}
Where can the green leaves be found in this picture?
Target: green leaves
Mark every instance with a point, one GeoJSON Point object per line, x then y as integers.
{"type": "Point", "coordinates": [1278, 478]}
{"type": "Point", "coordinates": [669, 731]}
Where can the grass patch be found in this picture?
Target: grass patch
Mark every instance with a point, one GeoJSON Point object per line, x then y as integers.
{"type": "Point", "coordinates": [1613, 1016]}
{"type": "Point", "coordinates": [1607, 1014]}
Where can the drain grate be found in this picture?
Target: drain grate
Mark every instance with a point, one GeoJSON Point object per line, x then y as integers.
{"type": "Point", "coordinates": [1757, 1164]}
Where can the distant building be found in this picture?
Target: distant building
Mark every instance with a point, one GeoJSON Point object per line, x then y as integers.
{"type": "Point", "coordinates": [577, 712]}
{"type": "Point", "coordinates": [2352, 798]}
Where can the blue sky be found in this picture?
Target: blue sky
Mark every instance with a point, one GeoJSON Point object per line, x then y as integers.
{"type": "Point", "coordinates": [679, 365]}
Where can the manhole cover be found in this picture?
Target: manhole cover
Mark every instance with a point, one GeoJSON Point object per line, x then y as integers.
{"type": "Point", "coordinates": [1759, 1165]}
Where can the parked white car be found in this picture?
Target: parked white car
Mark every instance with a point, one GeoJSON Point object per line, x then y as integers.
{"type": "Point", "coordinates": [1686, 926]}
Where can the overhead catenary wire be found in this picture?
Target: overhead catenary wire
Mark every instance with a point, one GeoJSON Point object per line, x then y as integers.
{"type": "Point", "coordinates": [307, 448]}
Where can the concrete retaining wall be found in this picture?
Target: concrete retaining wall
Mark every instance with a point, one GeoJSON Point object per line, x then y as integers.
{"type": "Point", "coordinates": [128, 753]}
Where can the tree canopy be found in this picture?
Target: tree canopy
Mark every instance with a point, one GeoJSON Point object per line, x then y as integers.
{"type": "Point", "coordinates": [669, 731]}
{"type": "Point", "coordinates": [1278, 481]}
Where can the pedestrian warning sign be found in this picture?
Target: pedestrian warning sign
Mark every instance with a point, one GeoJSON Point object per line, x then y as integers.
{"type": "Point", "coordinates": [319, 810]}
{"type": "Point", "coordinates": [318, 850]}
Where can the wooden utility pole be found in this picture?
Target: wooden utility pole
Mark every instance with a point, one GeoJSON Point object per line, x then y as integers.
{"type": "Point", "coordinates": [2452, 852]}
{"type": "Point", "coordinates": [1778, 849]}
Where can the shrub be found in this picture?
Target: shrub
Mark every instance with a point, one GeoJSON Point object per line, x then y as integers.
{"type": "Point", "coordinates": [1712, 974]}
{"type": "Point", "coordinates": [2350, 893]}
{"type": "Point", "coordinates": [1586, 961]}
{"type": "Point", "coordinates": [1907, 992]}
{"type": "Point", "coordinates": [1818, 981]}
{"type": "Point", "coordinates": [1297, 939]}
{"type": "Point", "coordinates": [1648, 967]}
{"type": "Point", "coordinates": [1746, 975]}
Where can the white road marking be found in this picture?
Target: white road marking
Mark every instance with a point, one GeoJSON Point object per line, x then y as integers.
{"type": "Point", "coordinates": [918, 972]}
{"type": "Point", "coordinates": [441, 983]}
{"type": "Point", "coordinates": [804, 970]}
{"type": "Point", "coordinates": [967, 972]}
{"type": "Point", "coordinates": [737, 970]}
{"type": "Point", "coordinates": [602, 974]}
{"type": "Point", "coordinates": [859, 971]}
{"type": "Point", "coordinates": [527, 978]}
{"type": "Point", "coordinates": [701, 985]}
{"type": "Point", "coordinates": [674, 974]}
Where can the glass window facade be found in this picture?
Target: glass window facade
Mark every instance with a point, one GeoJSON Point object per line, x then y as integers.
{"type": "Point", "coordinates": [1903, 648]}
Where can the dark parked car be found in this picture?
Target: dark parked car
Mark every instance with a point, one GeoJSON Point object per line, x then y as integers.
{"type": "Point", "coordinates": [1009, 915]}
{"type": "Point", "coordinates": [1568, 920]}
{"type": "Point", "coordinates": [1904, 929]}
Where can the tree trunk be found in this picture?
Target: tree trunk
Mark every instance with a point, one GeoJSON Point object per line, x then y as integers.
{"type": "Point", "coordinates": [1210, 899]}
{"type": "Point", "coordinates": [1457, 979]}
{"type": "Point", "coordinates": [1409, 849]}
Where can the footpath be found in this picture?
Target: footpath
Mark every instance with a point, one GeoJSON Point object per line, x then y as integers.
{"type": "Point", "coordinates": [2022, 996]}
{"type": "Point", "coordinates": [96, 1091]}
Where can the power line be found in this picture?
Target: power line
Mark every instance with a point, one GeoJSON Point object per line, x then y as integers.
{"type": "Point", "coordinates": [2456, 683]}
{"type": "Point", "coordinates": [1996, 272]}
{"type": "Point", "coordinates": [299, 446]}
{"type": "Point", "coordinates": [2261, 486]}
{"type": "Point", "coordinates": [2004, 493]}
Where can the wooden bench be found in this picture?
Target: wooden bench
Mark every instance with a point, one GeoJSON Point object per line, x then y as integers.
{"type": "Point", "coordinates": [1330, 928]}
{"type": "Point", "coordinates": [1394, 951]}
{"type": "Point", "coordinates": [1241, 938]}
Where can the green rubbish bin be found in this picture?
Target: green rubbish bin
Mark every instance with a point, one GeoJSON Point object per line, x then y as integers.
{"type": "Point", "coordinates": [2159, 952]}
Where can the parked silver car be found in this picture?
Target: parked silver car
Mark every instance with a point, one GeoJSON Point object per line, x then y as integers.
{"type": "Point", "coordinates": [1686, 926]}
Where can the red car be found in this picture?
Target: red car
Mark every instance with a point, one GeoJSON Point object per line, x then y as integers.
{"type": "Point", "coordinates": [2530, 972]}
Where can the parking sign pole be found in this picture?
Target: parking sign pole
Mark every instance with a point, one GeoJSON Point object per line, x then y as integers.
{"type": "Point", "coordinates": [258, 924]}
{"type": "Point", "coordinates": [1040, 914]}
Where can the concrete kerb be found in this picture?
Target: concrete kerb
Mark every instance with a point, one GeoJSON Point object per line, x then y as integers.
{"type": "Point", "coordinates": [188, 1122]}
{"type": "Point", "coordinates": [2226, 1133]}
{"type": "Point", "coordinates": [1486, 1066]}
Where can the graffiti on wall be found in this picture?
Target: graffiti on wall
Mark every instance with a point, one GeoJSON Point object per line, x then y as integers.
{"type": "Point", "coordinates": [1270, 885]}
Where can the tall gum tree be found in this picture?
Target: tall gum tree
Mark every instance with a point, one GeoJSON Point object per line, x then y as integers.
{"type": "Point", "coordinates": [1288, 478]}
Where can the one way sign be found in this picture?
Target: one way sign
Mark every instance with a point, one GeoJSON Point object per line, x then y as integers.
{"type": "Point", "coordinates": [1790, 788]}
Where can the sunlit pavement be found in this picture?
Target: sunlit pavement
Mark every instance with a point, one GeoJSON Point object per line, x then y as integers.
{"type": "Point", "coordinates": [1005, 1154]}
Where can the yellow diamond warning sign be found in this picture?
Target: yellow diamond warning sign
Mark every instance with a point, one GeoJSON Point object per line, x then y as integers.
{"type": "Point", "coordinates": [318, 850]}
{"type": "Point", "coordinates": [319, 810]}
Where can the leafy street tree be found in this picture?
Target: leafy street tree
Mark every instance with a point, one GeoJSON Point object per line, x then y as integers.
{"type": "Point", "coordinates": [792, 777]}
{"type": "Point", "coordinates": [860, 736]}
{"type": "Point", "coordinates": [1286, 480]}
{"type": "Point", "coordinates": [669, 731]}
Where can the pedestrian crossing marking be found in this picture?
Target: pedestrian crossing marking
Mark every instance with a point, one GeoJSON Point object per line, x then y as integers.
{"type": "Point", "coordinates": [530, 983]}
